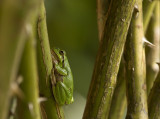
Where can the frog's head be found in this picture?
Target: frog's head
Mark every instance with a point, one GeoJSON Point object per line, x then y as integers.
{"type": "Point", "coordinates": [58, 54]}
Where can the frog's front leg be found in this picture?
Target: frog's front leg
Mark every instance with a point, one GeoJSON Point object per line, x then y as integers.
{"type": "Point", "coordinates": [62, 94]}
{"type": "Point", "coordinates": [60, 70]}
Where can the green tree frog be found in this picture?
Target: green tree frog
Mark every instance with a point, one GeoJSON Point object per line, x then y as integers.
{"type": "Point", "coordinates": [61, 79]}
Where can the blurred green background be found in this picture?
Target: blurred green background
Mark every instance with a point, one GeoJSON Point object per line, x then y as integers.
{"type": "Point", "coordinates": [72, 26]}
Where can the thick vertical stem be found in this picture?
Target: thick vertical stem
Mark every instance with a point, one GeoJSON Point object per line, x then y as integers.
{"type": "Point", "coordinates": [28, 106]}
{"type": "Point", "coordinates": [14, 14]}
{"type": "Point", "coordinates": [135, 67]}
{"type": "Point", "coordinates": [108, 59]}
{"type": "Point", "coordinates": [153, 54]}
{"type": "Point", "coordinates": [49, 108]}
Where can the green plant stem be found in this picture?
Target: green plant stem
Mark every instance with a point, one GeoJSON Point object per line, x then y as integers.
{"type": "Point", "coordinates": [154, 100]}
{"type": "Point", "coordinates": [135, 68]}
{"type": "Point", "coordinates": [153, 34]}
{"type": "Point", "coordinates": [49, 108]}
{"type": "Point", "coordinates": [118, 106]}
{"type": "Point", "coordinates": [28, 107]}
{"type": "Point", "coordinates": [108, 59]}
{"type": "Point", "coordinates": [119, 101]}
{"type": "Point", "coordinates": [102, 13]}
{"type": "Point", "coordinates": [14, 14]}
{"type": "Point", "coordinates": [148, 6]}
{"type": "Point", "coordinates": [116, 111]}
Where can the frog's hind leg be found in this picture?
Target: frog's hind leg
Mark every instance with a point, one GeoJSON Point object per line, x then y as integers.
{"type": "Point", "coordinates": [59, 93]}
{"type": "Point", "coordinates": [68, 95]}
{"type": "Point", "coordinates": [62, 94]}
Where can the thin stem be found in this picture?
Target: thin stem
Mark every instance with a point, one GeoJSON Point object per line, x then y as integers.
{"type": "Point", "coordinates": [108, 59]}
{"type": "Point", "coordinates": [135, 68]}
{"type": "Point", "coordinates": [49, 108]}
{"type": "Point", "coordinates": [119, 101]}
{"type": "Point", "coordinates": [28, 107]}
{"type": "Point", "coordinates": [13, 106]}
{"type": "Point", "coordinates": [103, 7]}
{"type": "Point", "coordinates": [148, 6]}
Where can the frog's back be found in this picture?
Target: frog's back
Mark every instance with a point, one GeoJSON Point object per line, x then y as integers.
{"type": "Point", "coordinates": [69, 77]}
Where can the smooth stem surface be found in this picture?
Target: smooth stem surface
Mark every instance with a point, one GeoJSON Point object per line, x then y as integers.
{"type": "Point", "coordinates": [14, 14]}
{"type": "Point", "coordinates": [153, 35]}
{"type": "Point", "coordinates": [108, 59]}
{"type": "Point", "coordinates": [28, 107]}
{"type": "Point", "coordinates": [49, 108]}
{"type": "Point", "coordinates": [135, 68]}
{"type": "Point", "coordinates": [119, 101]}
{"type": "Point", "coordinates": [148, 7]}
{"type": "Point", "coordinates": [154, 100]}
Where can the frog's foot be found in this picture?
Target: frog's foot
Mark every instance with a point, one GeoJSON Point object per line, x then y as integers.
{"type": "Point", "coordinates": [71, 100]}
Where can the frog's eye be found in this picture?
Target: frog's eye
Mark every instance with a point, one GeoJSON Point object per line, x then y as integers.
{"type": "Point", "coordinates": [61, 52]}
